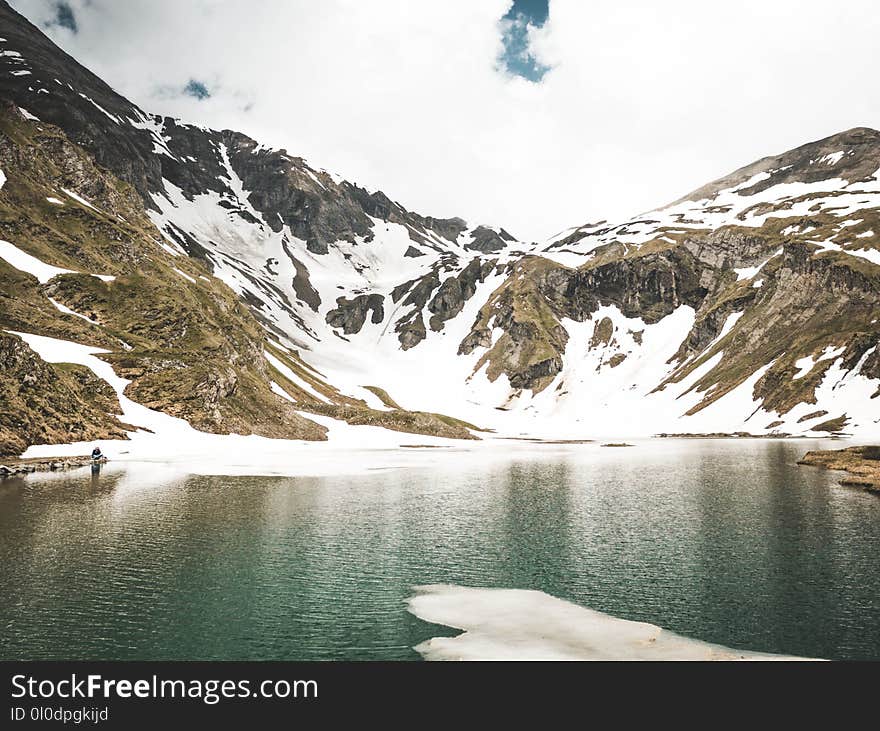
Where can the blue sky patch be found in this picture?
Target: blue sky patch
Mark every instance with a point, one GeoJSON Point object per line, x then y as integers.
{"type": "Point", "coordinates": [516, 57]}
{"type": "Point", "coordinates": [64, 17]}
{"type": "Point", "coordinates": [196, 89]}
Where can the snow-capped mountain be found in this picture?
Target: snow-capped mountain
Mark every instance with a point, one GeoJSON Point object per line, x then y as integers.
{"type": "Point", "coordinates": [776, 267]}
{"type": "Point", "coordinates": [254, 292]}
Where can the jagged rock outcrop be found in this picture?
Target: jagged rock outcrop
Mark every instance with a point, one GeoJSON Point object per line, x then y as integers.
{"type": "Point", "coordinates": [539, 293]}
{"type": "Point", "coordinates": [487, 241]}
{"type": "Point", "coordinates": [456, 290]}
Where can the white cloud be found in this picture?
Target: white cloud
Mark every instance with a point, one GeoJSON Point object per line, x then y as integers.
{"type": "Point", "coordinates": [644, 101]}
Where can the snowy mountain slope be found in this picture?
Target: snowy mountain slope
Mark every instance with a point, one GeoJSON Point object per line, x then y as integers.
{"type": "Point", "coordinates": [605, 333]}
{"type": "Point", "coordinates": [750, 304]}
{"type": "Point", "coordinates": [363, 313]}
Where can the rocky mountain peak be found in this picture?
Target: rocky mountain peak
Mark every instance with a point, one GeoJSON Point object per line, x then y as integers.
{"type": "Point", "coordinates": [146, 150]}
{"type": "Point", "coordinates": [853, 156]}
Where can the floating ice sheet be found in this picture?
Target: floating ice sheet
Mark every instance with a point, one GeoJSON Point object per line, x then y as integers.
{"type": "Point", "coordinates": [516, 624]}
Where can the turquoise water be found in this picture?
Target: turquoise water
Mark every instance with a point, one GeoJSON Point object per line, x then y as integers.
{"type": "Point", "coordinates": [725, 541]}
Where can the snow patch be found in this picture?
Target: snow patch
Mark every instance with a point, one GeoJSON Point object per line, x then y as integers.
{"type": "Point", "coordinates": [749, 272]}
{"type": "Point", "coordinates": [871, 255]}
{"type": "Point", "coordinates": [186, 276]}
{"type": "Point", "coordinates": [804, 366]}
{"type": "Point", "coordinates": [53, 350]}
{"type": "Point", "coordinates": [281, 392]}
{"type": "Point", "coordinates": [294, 378]}
{"type": "Point", "coordinates": [728, 325]}
{"type": "Point", "coordinates": [24, 262]}
{"type": "Point", "coordinates": [80, 199]}
{"type": "Point", "coordinates": [101, 109]}
{"type": "Point", "coordinates": [155, 127]}
{"type": "Point", "coordinates": [67, 311]}
{"type": "Point", "coordinates": [832, 158]}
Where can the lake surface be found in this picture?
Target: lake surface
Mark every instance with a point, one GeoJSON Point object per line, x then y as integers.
{"type": "Point", "coordinates": [725, 541]}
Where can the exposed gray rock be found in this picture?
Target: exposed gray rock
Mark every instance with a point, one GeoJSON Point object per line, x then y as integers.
{"type": "Point", "coordinates": [301, 283]}
{"type": "Point", "coordinates": [351, 314]}
{"type": "Point", "coordinates": [455, 291]}
{"type": "Point", "coordinates": [487, 240]}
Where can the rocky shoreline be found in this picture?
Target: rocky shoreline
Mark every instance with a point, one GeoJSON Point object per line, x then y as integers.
{"type": "Point", "coordinates": [863, 463]}
{"type": "Point", "coordinates": [726, 435]}
{"type": "Point", "coordinates": [53, 464]}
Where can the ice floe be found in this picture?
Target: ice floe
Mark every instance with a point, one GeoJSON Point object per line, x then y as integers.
{"type": "Point", "coordinates": [518, 624]}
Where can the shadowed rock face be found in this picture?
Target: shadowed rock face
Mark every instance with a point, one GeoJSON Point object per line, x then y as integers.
{"type": "Point", "coordinates": [410, 328]}
{"type": "Point", "coordinates": [455, 291]}
{"type": "Point", "coordinates": [425, 297]}
{"type": "Point", "coordinates": [122, 148]}
{"type": "Point", "coordinates": [351, 314]}
{"type": "Point", "coordinates": [301, 283]}
{"type": "Point", "coordinates": [539, 294]}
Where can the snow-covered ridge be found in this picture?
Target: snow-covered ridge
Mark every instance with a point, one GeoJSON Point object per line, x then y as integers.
{"type": "Point", "coordinates": [835, 197]}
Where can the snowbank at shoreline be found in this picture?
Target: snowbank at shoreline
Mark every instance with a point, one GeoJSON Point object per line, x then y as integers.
{"type": "Point", "coordinates": [159, 437]}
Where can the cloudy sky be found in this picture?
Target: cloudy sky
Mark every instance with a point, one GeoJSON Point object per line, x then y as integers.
{"type": "Point", "coordinates": [525, 115]}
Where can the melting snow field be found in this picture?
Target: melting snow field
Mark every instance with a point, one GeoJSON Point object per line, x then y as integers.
{"type": "Point", "coordinates": [517, 624]}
